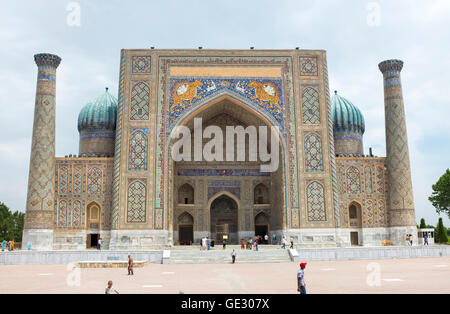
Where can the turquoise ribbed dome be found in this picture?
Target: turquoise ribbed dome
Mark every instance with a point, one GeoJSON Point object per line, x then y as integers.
{"type": "Point", "coordinates": [347, 118]}
{"type": "Point", "coordinates": [100, 114]}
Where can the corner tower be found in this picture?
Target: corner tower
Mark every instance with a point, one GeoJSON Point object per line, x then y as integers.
{"type": "Point", "coordinates": [401, 200]}
{"type": "Point", "coordinates": [38, 230]}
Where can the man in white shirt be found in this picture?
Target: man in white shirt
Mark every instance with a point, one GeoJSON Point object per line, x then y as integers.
{"type": "Point", "coordinates": [301, 287]}
{"type": "Point", "coordinates": [110, 289]}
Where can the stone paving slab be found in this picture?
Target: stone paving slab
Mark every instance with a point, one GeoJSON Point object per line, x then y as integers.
{"type": "Point", "coordinates": [428, 275]}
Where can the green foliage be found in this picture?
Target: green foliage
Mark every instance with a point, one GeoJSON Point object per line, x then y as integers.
{"type": "Point", "coordinates": [423, 225]}
{"type": "Point", "coordinates": [11, 224]}
{"type": "Point", "coordinates": [441, 233]}
{"type": "Point", "coordinates": [440, 198]}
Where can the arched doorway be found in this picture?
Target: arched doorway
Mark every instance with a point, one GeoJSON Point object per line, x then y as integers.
{"type": "Point", "coordinates": [224, 219]}
{"type": "Point", "coordinates": [261, 225]}
{"type": "Point", "coordinates": [93, 220]}
{"type": "Point", "coordinates": [355, 222]}
{"type": "Point", "coordinates": [261, 194]}
{"type": "Point", "coordinates": [186, 194]}
{"type": "Point", "coordinates": [186, 229]}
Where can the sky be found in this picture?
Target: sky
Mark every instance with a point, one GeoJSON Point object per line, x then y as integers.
{"type": "Point", "coordinates": [357, 35]}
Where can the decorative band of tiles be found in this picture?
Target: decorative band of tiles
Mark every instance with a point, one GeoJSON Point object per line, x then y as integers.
{"type": "Point", "coordinates": [222, 172]}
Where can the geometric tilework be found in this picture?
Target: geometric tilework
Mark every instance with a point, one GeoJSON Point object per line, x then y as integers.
{"type": "Point", "coordinates": [41, 182]}
{"type": "Point", "coordinates": [316, 202]}
{"type": "Point", "coordinates": [141, 64]}
{"type": "Point", "coordinates": [313, 153]}
{"type": "Point", "coordinates": [63, 180]}
{"type": "Point", "coordinates": [368, 179]}
{"type": "Point", "coordinates": [370, 214]}
{"type": "Point", "coordinates": [76, 214]}
{"type": "Point", "coordinates": [137, 199]}
{"type": "Point", "coordinates": [140, 99]}
{"type": "Point", "coordinates": [62, 214]}
{"type": "Point", "coordinates": [381, 214]}
{"type": "Point", "coordinates": [94, 181]}
{"type": "Point", "coordinates": [138, 149]}
{"type": "Point", "coordinates": [310, 106]}
{"type": "Point", "coordinates": [353, 180]}
{"type": "Point", "coordinates": [380, 180]}
{"type": "Point", "coordinates": [77, 188]}
{"type": "Point", "coordinates": [401, 200]}
{"type": "Point", "coordinates": [308, 66]}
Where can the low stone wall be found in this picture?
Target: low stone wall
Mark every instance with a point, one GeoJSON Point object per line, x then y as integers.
{"type": "Point", "coordinates": [66, 257]}
{"type": "Point", "coordinates": [371, 253]}
{"type": "Point", "coordinates": [110, 264]}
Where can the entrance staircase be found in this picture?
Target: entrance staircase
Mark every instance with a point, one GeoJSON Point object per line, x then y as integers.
{"type": "Point", "coordinates": [217, 255]}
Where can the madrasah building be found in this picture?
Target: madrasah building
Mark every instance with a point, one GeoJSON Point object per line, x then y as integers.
{"type": "Point", "coordinates": [125, 188]}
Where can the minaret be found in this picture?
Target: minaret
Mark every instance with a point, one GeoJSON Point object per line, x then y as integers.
{"type": "Point", "coordinates": [39, 217]}
{"type": "Point", "coordinates": [401, 213]}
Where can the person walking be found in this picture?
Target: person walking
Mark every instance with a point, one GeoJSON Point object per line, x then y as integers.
{"type": "Point", "coordinates": [283, 243]}
{"type": "Point", "coordinates": [250, 242]}
{"type": "Point", "coordinates": [301, 287]}
{"type": "Point", "coordinates": [292, 244]}
{"type": "Point", "coordinates": [425, 239]}
{"type": "Point", "coordinates": [411, 239]}
{"type": "Point", "coordinates": [130, 265]}
{"type": "Point", "coordinates": [233, 257]}
{"type": "Point", "coordinates": [224, 244]}
{"type": "Point", "coordinates": [110, 289]}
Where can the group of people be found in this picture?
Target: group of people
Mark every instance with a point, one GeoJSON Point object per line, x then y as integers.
{"type": "Point", "coordinates": [9, 245]}
{"type": "Point", "coordinates": [409, 239]}
{"type": "Point", "coordinates": [206, 244]}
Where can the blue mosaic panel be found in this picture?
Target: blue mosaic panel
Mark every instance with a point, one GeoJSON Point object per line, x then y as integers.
{"type": "Point", "coordinates": [316, 202]}
{"type": "Point", "coordinates": [313, 153]}
{"type": "Point", "coordinates": [140, 100]}
{"type": "Point", "coordinates": [94, 180]}
{"type": "Point", "coordinates": [138, 149]}
{"type": "Point", "coordinates": [310, 106]}
{"type": "Point", "coordinates": [265, 94]}
{"type": "Point", "coordinates": [353, 180]}
{"type": "Point", "coordinates": [137, 201]}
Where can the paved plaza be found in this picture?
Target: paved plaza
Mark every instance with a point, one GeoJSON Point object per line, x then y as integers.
{"type": "Point", "coordinates": [428, 275]}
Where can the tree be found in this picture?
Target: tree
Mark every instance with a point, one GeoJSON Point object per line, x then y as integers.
{"type": "Point", "coordinates": [441, 233]}
{"type": "Point", "coordinates": [440, 198]}
{"type": "Point", "coordinates": [11, 224]}
{"type": "Point", "coordinates": [423, 225]}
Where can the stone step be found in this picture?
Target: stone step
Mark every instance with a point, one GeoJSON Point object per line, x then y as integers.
{"type": "Point", "coordinates": [195, 256]}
